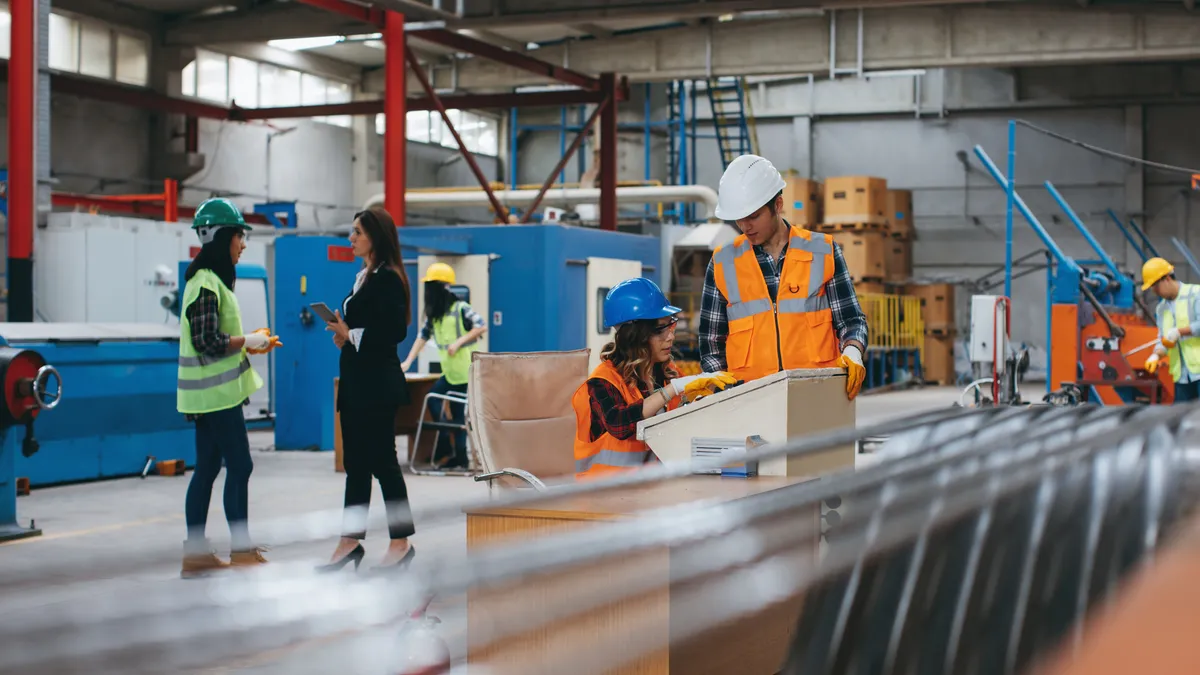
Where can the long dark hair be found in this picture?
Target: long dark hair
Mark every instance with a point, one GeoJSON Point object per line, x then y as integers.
{"type": "Point", "coordinates": [215, 256]}
{"type": "Point", "coordinates": [630, 354]}
{"type": "Point", "coordinates": [438, 299]}
{"type": "Point", "coordinates": [379, 227]}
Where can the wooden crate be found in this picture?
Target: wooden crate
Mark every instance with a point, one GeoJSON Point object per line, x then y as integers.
{"type": "Point", "coordinates": [937, 363]}
{"type": "Point", "coordinates": [855, 200]}
{"type": "Point", "coordinates": [899, 210]}
{"type": "Point", "coordinates": [864, 254]}
{"type": "Point", "coordinates": [802, 202]}
{"type": "Point", "coordinates": [897, 261]}
{"type": "Point", "coordinates": [937, 305]}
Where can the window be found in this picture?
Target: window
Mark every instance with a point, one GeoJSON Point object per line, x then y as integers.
{"type": "Point", "coordinates": [601, 329]}
{"type": "Point", "coordinates": [480, 133]}
{"type": "Point", "coordinates": [95, 50]}
{"type": "Point", "coordinates": [243, 82]}
{"type": "Point", "coordinates": [64, 43]}
{"type": "Point", "coordinates": [338, 92]}
{"type": "Point", "coordinates": [278, 87]}
{"type": "Point", "coordinates": [133, 60]}
{"type": "Point", "coordinates": [212, 76]}
{"type": "Point", "coordinates": [5, 30]}
{"type": "Point", "coordinates": [91, 48]}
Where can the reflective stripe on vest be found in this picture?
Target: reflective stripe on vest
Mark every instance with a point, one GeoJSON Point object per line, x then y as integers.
{"type": "Point", "coordinates": [606, 454]}
{"type": "Point", "coordinates": [796, 331]}
{"type": "Point", "coordinates": [1188, 349]}
{"type": "Point", "coordinates": [205, 383]}
{"type": "Point", "coordinates": [446, 330]}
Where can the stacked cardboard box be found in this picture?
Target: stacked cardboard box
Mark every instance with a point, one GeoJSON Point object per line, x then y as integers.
{"type": "Point", "coordinates": [864, 253]}
{"type": "Point", "coordinates": [899, 261]}
{"type": "Point", "coordinates": [937, 313]}
{"type": "Point", "coordinates": [855, 202]}
{"type": "Point", "coordinates": [802, 202]}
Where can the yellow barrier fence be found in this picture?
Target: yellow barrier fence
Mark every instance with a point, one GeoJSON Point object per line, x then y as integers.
{"type": "Point", "coordinates": [894, 321]}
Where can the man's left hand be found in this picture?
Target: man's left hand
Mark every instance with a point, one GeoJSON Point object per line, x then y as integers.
{"type": "Point", "coordinates": [851, 360]}
{"type": "Point", "coordinates": [1171, 338]}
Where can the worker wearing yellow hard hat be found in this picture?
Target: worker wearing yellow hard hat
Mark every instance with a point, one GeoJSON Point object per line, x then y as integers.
{"type": "Point", "coordinates": [777, 297]}
{"type": "Point", "coordinates": [1178, 318]}
{"type": "Point", "coordinates": [456, 328]}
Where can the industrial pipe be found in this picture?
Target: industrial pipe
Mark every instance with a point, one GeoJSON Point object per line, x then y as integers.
{"type": "Point", "coordinates": [701, 194]}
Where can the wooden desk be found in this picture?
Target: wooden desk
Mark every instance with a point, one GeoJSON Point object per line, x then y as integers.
{"type": "Point", "coordinates": [406, 421]}
{"type": "Point", "coordinates": [756, 645]}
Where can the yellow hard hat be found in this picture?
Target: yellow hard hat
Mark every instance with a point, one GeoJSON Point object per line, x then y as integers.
{"type": "Point", "coordinates": [1154, 270]}
{"type": "Point", "coordinates": [440, 272]}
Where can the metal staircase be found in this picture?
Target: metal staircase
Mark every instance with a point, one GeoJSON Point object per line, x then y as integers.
{"type": "Point", "coordinates": [733, 119]}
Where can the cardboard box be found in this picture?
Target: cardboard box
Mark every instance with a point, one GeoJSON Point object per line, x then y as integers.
{"type": "Point", "coordinates": [897, 260]}
{"type": "Point", "coordinates": [899, 210]}
{"type": "Point", "coordinates": [864, 254]}
{"type": "Point", "coordinates": [870, 287]}
{"type": "Point", "coordinates": [937, 305]}
{"type": "Point", "coordinates": [802, 202]}
{"type": "Point", "coordinates": [855, 200]}
{"type": "Point", "coordinates": [937, 363]}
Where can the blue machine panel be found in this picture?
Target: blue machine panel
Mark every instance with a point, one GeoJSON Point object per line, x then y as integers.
{"type": "Point", "coordinates": [118, 404]}
{"type": "Point", "coordinates": [536, 285]}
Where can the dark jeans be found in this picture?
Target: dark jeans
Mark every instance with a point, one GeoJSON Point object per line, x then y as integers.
{"type": "Point", "coordinates": [220, 435]}
{"type": "Point", "coordinates": [369, 449]}
{"type": "Point", "coordinates": [1185, 393]}
{"type": "Point", "coordinates": [457, 416]}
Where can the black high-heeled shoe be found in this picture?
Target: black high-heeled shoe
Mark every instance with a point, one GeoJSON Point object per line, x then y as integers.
{"type": "Point", "coordinates": [400, 564]}
{"type": "Point", "coordinates": [355, 555]}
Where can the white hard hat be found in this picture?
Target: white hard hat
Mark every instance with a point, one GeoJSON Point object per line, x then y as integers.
{"type": "Point", "coordinates": [748, 184]}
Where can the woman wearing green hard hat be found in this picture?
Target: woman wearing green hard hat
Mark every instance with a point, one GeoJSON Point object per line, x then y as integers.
{"type": "Point", "coordinates": [215, 379]}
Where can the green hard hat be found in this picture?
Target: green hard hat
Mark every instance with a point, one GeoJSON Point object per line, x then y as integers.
{"type": "Point", "coordinates": [214, 214]}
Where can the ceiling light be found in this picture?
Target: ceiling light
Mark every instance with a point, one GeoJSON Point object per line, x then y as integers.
{"type": "Point", "coordinates": [300, 44]}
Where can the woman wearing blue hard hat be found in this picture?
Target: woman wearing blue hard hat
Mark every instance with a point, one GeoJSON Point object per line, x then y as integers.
{"type": "Point", "coordinates": [635, 380]}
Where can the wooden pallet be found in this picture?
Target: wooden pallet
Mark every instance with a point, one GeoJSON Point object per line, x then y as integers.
{"type": "Point", "coordinates": [852, 227]}
{"type": "Point", "coordinates": [866, 280]}
{"type": "Point", "coordinates": [941, 331]}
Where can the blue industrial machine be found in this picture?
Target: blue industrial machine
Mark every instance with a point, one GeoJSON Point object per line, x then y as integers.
{"type": "Point", "coordinates": [1093, 317]}
{"type": "Point", "coordinates": [539, 284]}
{"type": "Point", "coordinates": [30, 386]}
{"type": "Point", "coordinates": [122, 404]}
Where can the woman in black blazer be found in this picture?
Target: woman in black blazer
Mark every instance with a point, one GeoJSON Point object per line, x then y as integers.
{"type": "Point", "coordinates": [371, 387]}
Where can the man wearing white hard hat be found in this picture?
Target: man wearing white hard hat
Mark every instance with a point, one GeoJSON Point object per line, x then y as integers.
{"type": "Point", "coordinates": [778, 297]}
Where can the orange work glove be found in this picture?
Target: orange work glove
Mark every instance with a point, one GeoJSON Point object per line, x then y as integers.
{"type": "Point", "coordinates": [851, 360]}
{"type": "Point", "coordinates": [1152, 363]}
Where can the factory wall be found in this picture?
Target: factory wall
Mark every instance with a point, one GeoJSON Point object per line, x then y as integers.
{"type": "Point", "coordinates": [852, 126]}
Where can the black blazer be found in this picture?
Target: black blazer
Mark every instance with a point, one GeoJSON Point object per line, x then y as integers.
{"type": "Point", "coordinates": [371, 374]}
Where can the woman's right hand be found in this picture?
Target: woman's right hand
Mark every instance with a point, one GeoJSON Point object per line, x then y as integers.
{"type": "Point", "coordinates": [405, 365]}
{"type": "Point", "coordinates": [702, 381]}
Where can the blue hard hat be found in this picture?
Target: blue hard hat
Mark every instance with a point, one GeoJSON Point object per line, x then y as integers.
{"type": "Point", "coordinates": [635, 299]}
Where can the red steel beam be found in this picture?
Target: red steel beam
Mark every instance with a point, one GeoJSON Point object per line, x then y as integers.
{"type": "Point", "coordinates": [501, 212]}
{"type": "Point", "coordinates": [154, 205]}
{"type": "Point", "coordinates": [353, 10]}
{"type": "Point", "coordinates": [562, 162]}
{"type": "Point", "coordinates": [22, 158]}
{"type": "Point", "coordinates": [608, 156]}
{"type": "Point", "coordinates": [395, 143]}
{"type": "Point", "coordinates": [489, 51]}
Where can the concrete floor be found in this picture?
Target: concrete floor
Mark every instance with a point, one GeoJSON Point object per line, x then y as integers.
{"type": "Point", "coordinates": [95, 533]}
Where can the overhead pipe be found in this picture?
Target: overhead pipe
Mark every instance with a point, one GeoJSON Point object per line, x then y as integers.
{"type": "Point", "coordinates": [696, 194]}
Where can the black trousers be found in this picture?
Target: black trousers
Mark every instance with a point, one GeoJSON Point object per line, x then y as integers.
{"type": "Point", "coordinates": [369, 450]}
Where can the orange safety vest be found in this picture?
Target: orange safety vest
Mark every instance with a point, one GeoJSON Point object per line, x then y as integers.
{"type": "Point", "coordinates": [796, 331]}
{"type": "Point", "coordinates": [607, 454]}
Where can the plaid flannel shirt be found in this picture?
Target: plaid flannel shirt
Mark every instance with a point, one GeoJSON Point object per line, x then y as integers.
{"type": "Point", "coordinates": [205, 318]}
{"type": "Point", "coordinates": [848, 318]}
{"type": "Point", "coordinates": [611, 413]}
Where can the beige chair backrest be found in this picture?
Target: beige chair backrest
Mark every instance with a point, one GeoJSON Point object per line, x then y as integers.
{"type": "Point", "coordinates": [520, 414]}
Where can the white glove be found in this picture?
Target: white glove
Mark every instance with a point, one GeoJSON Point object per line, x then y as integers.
{"type": "Point", "coordinates": [721, 378]}
{"type": "Point", "coordinates": [853, 353]}
{"type": "Point", "coordinates": [256, 341]}
{"type": "Point", "coordinates": [1152, 362]}
{"type": "Point", "coordinates": [678, 384]}
{"type": "Point", "coordinates": [1171, 336]}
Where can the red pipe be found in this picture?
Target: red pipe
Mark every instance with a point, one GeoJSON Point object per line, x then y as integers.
{"type": "Point", "coordinates": [501, 212]}
{"type": "Point", "coordinates": [171, 200]}
{"type": "Point", "coordinates": [563, 160]}
{"type": "Point", "coordinates": [395, 113]}
{"type": "Point", "coordinates": [22, 167]}
{"type": "Point", "coordinates": [608, 154]}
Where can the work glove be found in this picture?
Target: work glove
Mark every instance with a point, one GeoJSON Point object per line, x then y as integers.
{"type": "Point", "coordinates": [692, 387]}
{"type": "Point", "coordinates": [1170, 338]}
{"type": "Point", "coordinates": [261, 341]}
{"type": "Point", "coordinates": [851, 360]}
{"type": "Point", "coordinates": [1152, 362]}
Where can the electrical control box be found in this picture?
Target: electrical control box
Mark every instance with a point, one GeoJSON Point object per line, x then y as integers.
{"type": "Point", "coordinates": [988, 329]}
